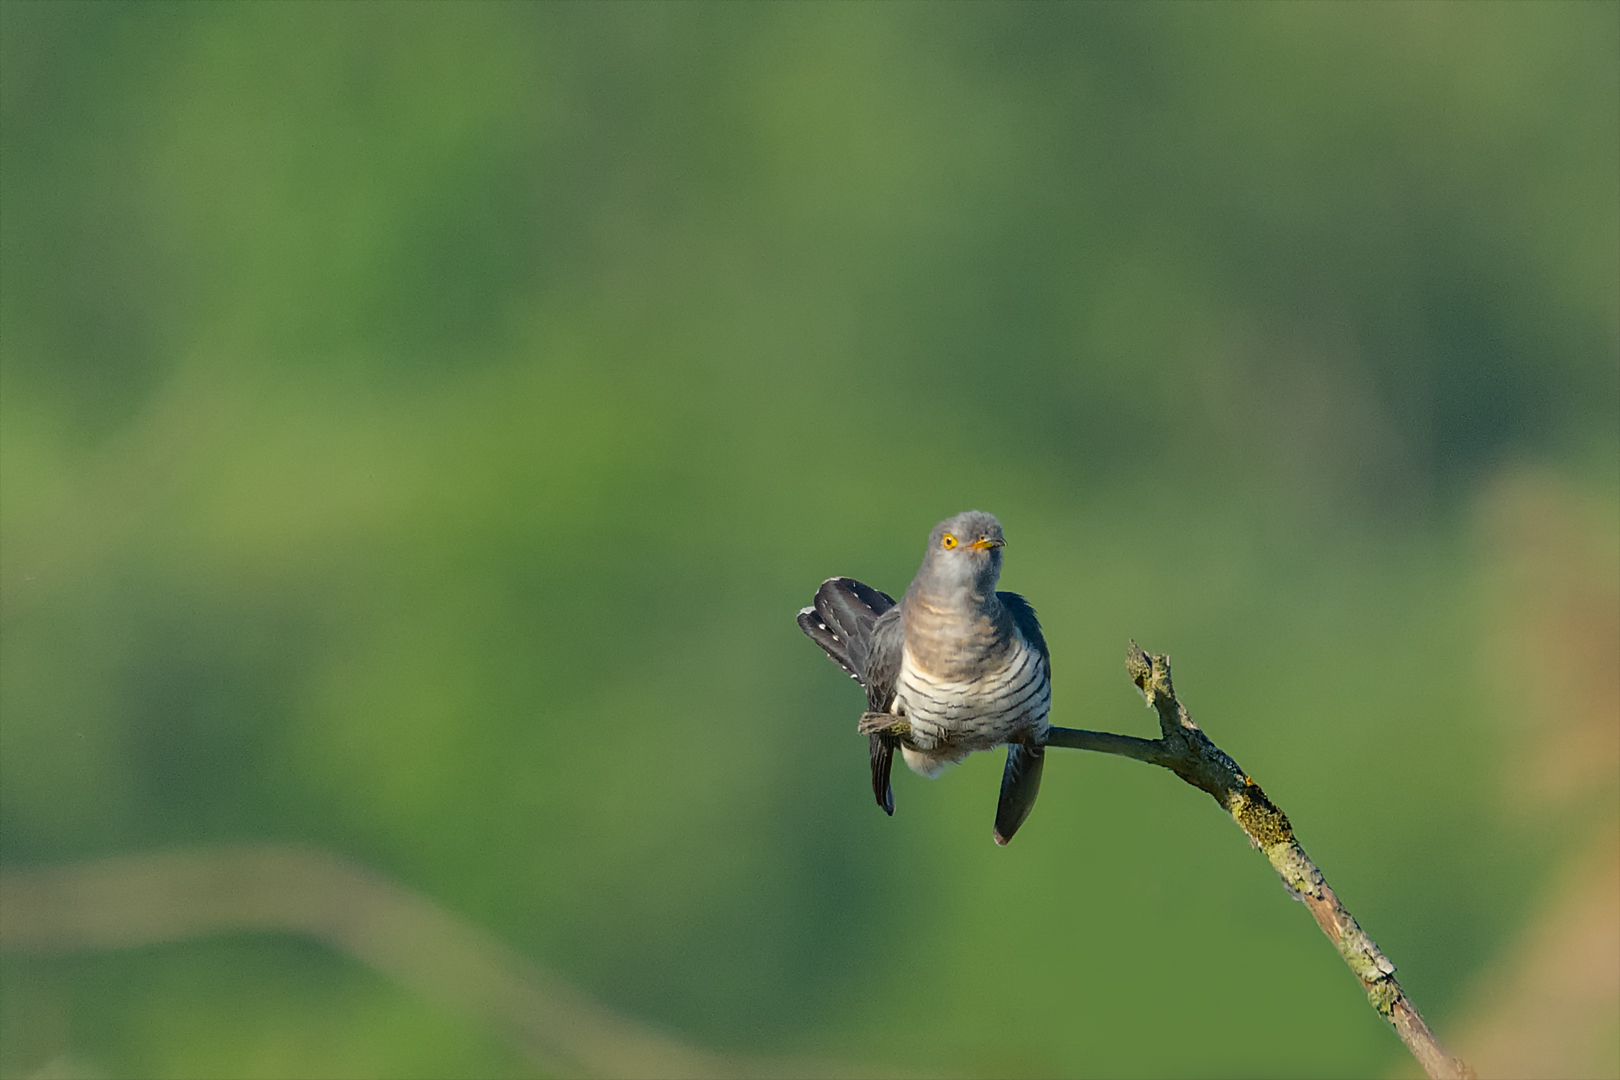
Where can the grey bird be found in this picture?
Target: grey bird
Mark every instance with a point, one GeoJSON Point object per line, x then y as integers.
{"type": "Point", "coordinates": [952, 668]}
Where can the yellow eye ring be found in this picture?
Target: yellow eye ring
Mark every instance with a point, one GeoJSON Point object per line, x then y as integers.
{"type": "Point", "coordinates": [948, 542]}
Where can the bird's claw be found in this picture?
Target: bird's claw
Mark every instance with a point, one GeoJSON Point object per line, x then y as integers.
{"type": "Point", "coordinates": [880, 723]}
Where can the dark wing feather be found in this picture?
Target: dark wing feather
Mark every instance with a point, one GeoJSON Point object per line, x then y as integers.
{"type": "Point", "coordinates": [1024, 615]}
{"type": "Point", "coordinates": [882, 747]}
{"type": "Point", "coordinates": [882, 660]}
{"type": "Point", "coordinates": [1021, 779]}
{"type": "Point", "coordinates": [1020, 783]}
{"type": "Point", "coordinates": [879, 678]}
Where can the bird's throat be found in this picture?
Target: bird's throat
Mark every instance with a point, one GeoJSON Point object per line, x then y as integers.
{"type": "Point", "coordinates": [954, 637]}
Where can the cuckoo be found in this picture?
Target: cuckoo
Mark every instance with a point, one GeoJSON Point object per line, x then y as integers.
{"type": "Point", "coordinates": [954, 667]}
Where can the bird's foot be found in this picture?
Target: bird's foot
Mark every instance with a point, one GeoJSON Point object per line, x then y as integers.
{"type": "Point", "coordinates": [881, 723]}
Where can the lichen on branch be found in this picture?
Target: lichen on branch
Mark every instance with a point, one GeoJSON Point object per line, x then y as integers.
{"type": "Point", "coordinates": [1185, 750]}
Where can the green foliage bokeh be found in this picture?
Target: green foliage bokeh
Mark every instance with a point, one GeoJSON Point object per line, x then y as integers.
{"type": "Point", "coordinates": [421, 424]}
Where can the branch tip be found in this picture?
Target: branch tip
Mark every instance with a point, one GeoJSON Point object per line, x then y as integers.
{"type": "Point", "coordinates": [1185, 750]}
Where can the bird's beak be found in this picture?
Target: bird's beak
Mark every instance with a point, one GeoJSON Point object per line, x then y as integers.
{"type": "Point", "coordinates": [985, 542]}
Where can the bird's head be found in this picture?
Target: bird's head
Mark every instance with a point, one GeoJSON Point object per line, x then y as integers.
{"type": "Point", "coordinates": [965, 552]}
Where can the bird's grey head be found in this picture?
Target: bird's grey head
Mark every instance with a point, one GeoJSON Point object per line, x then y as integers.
{"type": "Point", "coordinates": [964, 552]}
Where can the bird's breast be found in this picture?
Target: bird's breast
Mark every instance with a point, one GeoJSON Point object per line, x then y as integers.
{"type": "Point", "coordinates": [954, 714]}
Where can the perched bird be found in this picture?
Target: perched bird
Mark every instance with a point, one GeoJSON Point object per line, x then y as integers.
{"type": "Point", "coordinates": [952, 668]}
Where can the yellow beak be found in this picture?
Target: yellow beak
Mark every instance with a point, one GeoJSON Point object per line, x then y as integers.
{"type": "Point", "coordinates": [984, 542]}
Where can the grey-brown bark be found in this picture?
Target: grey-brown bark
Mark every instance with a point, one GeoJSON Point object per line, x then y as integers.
{"type": "Point", "coordinates": [1186, 751]}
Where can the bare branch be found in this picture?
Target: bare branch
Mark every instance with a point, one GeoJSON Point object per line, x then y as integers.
{"type": "Point", "coordinates": [1186, 751]}
{"type": "Point", "coordinates": [140, 900]}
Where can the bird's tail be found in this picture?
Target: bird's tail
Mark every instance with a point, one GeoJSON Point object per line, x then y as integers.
{"type": "Point", "coordinates": [841, 621]}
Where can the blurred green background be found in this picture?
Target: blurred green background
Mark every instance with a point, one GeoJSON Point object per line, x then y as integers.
{"type": "Point", "coordinates": [420, 424]}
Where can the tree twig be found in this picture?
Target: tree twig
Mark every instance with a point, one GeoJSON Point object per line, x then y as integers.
{"type": "Point", "coordinates": [1186, 751]}
{"type": "Point", "coordinates": [131, 901]}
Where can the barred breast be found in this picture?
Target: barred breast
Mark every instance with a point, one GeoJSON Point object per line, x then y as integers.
{"type": "Point", "coordinates": [1004, 697]}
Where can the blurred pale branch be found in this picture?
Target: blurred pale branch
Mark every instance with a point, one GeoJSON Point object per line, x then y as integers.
{"type": "Point", "coordinates": [140, 900]}
{"type": "Point", "coordinates": [1186, 751]}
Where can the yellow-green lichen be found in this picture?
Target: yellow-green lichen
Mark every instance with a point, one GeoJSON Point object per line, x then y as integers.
{"type": "Point", "coordinates": [1259, 817]}
{"type": "Point", "coordinates": [1383, 994]}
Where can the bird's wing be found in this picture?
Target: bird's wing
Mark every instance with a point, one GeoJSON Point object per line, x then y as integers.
{"type": "Point", "coordinates": [882, 671]}
{"type": "Point", "coordinates": [882, 746]}
{"type": "Point", "coordinates": [882, 667]}
{"type": "Point", "coordinates": [1021, 779]}
{"type": "Point", "coordinates": [1020, 783]}
{"type": "Point", "coordinates": [1028, 625]}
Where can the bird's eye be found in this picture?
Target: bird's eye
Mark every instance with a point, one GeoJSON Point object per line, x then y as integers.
{"type": "Point", "coordinates": [948, 542]}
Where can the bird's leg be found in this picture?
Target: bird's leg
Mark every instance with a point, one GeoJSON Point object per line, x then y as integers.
{"type": "Point", "coordinates": [879, 723]}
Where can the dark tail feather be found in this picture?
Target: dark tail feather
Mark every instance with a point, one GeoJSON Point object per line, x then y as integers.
{"type": "Point", "coordinates": [1020, 783]}
{"type": "Point", "coordinates": [841, 621]}
{"type": "Point", "coordinates": [882, 762]}
{"type": "Point", "coordinates": [817, 630]}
